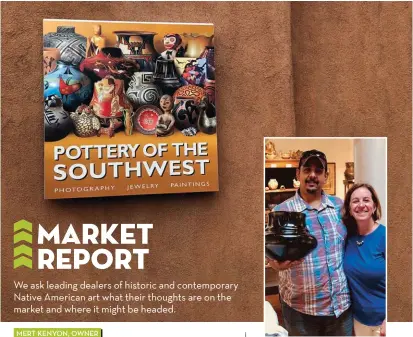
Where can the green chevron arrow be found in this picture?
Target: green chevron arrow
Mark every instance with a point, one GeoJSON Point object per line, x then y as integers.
{"type": "Point", "coordinates": [23, 261]}
{"type": "Point", "coordinates": [22, 236]}
{"type": "Point", "coordinates": [23, 249]}
{"type": "Point", "coordinates": [22, 224]}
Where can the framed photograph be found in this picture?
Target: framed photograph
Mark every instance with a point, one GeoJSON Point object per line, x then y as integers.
{"type": "Point", "coordinates": [330, 185]}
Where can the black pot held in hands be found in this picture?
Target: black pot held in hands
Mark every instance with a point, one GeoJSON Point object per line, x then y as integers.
{"type": "Point", "coordinates": [286, 237]}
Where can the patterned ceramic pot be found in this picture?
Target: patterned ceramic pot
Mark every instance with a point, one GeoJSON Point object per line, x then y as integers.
{"type": "Point", "coordinates": [138, 45]}
{"type": "Point", "coordinates": [186, 101]}
{"type": "Point", "coordinates": [209, 54]}
{"type": "Point", "coordinates": [209, 87]}
{"type": "Point", "coordinates": [72, 46]}
{"type": "Point", "coordinates": [109, 99]}
{"type": "Point", "coordinates": [273, 184]}
{"type": "Point", "coordinates": [185, 113]}
{"type": "Point", "coordinates": [190, 92]}
{"type": "Point", "coordinates": [67, 82]}
{"type": "Point", "coordinates": [50, 58]}
{"type": "Point", "coordinates": [57, 122]}
{"type": "Point", "coordinates": [142, 90]}
{"type": "Point", "coordinates": [146, 119]}
{"type": "Point", "coordinates": [85, 122]}
{"type": "Point", "coordinates": [286, 237]}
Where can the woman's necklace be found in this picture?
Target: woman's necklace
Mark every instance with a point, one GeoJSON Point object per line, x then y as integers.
{"type": "Point", "coordinates": [360, 243]}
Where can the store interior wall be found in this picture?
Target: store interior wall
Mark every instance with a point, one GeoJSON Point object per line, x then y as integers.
{"type": "Point", "coordinates": [338, 151]}
{"type": "Point", "coordinates": [371, 168]}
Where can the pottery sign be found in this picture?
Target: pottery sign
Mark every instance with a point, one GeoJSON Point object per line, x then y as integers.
{"type": "Point", "coordinates": [129, 108]}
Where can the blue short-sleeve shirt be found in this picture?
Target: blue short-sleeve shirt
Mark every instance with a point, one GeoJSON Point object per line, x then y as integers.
{"type": "Point", "coordinates": [365, 269]}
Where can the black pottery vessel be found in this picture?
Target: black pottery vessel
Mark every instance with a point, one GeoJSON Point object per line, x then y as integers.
{"type": "Point", "coordinates": [286, 237]}
{"type": "Point", "coordinates": [165, 76]}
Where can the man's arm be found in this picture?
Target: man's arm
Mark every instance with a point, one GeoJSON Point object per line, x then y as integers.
{"type": "Point", "coordinates": [282, 265]}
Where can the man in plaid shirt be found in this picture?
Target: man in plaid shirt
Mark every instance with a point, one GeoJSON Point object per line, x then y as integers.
{"type": "Point", "coordinates": [314, 296]}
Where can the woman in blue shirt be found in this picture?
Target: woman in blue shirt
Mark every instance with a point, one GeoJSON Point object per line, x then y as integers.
{"type": "Point", "coordinates": [365, 260]}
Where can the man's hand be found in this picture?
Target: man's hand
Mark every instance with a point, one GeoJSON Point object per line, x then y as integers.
{"type": "Point", "coordinates": [282, 265]}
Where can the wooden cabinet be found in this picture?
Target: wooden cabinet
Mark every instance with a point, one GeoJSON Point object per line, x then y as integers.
{"type": "Point", "coordinates": [284, 171]}
{"type": "Point", "coordinates": [281, 163]}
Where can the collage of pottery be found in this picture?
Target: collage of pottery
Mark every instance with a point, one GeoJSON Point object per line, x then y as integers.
{"type": "Point", "coordinates": [93, 89]}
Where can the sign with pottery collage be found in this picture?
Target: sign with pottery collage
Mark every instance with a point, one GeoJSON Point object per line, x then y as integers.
{"type": "Point", "coordinates": [129, 108]}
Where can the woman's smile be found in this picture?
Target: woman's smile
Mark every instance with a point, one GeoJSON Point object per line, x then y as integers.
{"type": "Point", "coordinates": [362, 206]}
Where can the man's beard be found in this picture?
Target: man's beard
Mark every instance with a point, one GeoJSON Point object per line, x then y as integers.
{"type": "Point", "coordinates": [312, 191]}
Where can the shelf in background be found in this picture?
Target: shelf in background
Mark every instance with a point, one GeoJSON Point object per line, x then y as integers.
{"type": "Point", "coordinates": [282, 191]}
{"type": "Point", "coordinates": [281, 163]}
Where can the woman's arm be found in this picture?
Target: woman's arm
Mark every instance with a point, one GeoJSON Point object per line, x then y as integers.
{"type": "Point", "coordinates": [383, 328]}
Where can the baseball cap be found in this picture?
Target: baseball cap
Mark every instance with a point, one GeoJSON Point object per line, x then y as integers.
{"type": "Point", "coordinates": [313, 154]}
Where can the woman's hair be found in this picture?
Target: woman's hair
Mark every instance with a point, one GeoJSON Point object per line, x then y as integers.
{"type": "Point", "coordinates": [348, 219]}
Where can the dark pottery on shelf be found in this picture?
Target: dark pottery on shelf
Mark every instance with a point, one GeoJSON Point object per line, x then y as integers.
{"type": "Point", "coordinates": [209, 84]}
{"type": "Point", "coordinates": [286, 237]}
